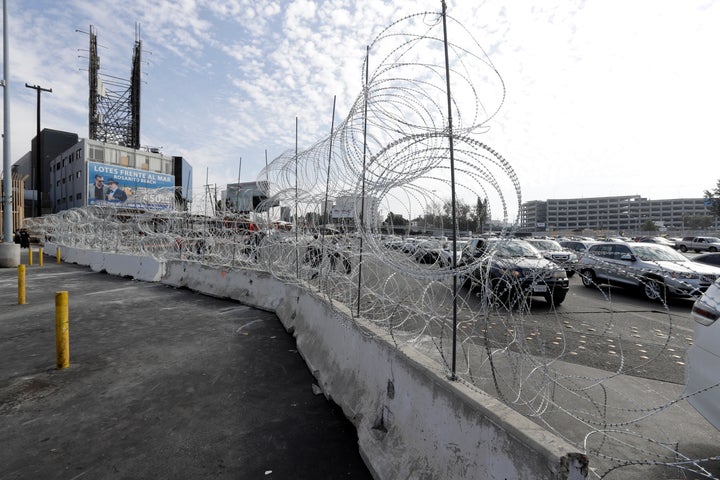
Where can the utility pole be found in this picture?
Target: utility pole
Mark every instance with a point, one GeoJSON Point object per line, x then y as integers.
{"type": "Point", "coordinates": [37, 183]}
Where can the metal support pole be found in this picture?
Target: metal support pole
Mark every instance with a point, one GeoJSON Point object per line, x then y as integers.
{"type": "Point", "coordinates": [361, 228]}
{"type": "Point", "coordinates": [297, 222]}
{"type": "Point", "coordinates": [452, 187]}
{"type": "Point", "coordinates": [62, 331]}
{"type": "Point", "coordinates": [21, 284]}
{"type": "Point", "coordinates": [8, 227]}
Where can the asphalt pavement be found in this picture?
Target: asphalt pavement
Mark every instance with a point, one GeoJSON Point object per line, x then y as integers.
{"type": "Point", "coordinates": [162, 383]}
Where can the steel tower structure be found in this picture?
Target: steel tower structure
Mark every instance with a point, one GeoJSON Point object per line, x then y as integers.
{"type": "Point", "coordinates": [114, 103]}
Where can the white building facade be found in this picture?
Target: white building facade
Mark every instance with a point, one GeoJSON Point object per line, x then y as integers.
{"type": "Point", "coordinates": [620, 213]}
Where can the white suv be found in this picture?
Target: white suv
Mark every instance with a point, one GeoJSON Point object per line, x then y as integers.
{"type": "Point", "coordinates": [656, 269]}
{"type": "Point", "coordinates": [702, 384]}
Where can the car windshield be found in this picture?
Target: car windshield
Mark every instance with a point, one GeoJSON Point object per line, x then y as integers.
{"type": "Point", "coordinates": [546, 245]}
{"type": "Point", "coordinates": [657, 253]}
{"type": "Point", "coordinates": [513, 248]}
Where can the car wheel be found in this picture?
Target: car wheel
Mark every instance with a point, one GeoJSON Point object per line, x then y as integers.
{"type": "Point", "coordinates": [588, 277]}
{"type": "Point", "coordinates": [555, 299]}
{"type": "Point", "coordinates": [653, 289]}
{"type": "Point", "coordinates": [683, 248]}
{"type": "Point", "coordinates": [713, 249]}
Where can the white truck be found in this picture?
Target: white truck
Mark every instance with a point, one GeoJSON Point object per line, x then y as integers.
{"type": "Point", "coordinates": [699, 244]}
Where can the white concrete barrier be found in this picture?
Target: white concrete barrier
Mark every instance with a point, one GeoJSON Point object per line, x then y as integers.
{"type": "Point", "coordinates": [146, 269]}
{"type": "Point", "coordinates": [9, 255]}
{"type": "Point", "coordinates": [412, 422]}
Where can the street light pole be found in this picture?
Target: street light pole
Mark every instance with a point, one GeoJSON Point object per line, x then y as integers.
{"type": "Point", "coordinates": [9, 250]}
{"type": "Point", "coordinates": [38, 163]}
{"type": "Point", "coordinates": [7, 171]}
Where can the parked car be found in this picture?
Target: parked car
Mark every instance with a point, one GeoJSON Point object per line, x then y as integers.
{"type": "Point", "coordinates": [394, 243]}
{"type": "Point", "coordinates": [511, 270]}
{"type": "Point", "coordinates": [699, 244]}
{"type": "Point", "coordinates": [658, 240]}
{"type": "Point", "coordinates": [708, 259]}
{"type": "Point", "coordinates": [410, 245]}
{"type": "Point", "coordinates": [703, 357]}
{"type": "Point", "coordinates": [577, 246]}
{"type": "Point", "coordinates": [656, 269]}
{"type": "Point", "coordinates": [446, 253]}
{"type": "Point", "coordinates": [614, 239]}
{"type": "Point", "coordinates": [428, 251]}
{"type": "Point", "coordinates": [555, 252]}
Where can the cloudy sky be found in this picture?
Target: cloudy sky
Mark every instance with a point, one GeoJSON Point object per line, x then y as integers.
{"type": "Point", "coordinates": [603, 97]}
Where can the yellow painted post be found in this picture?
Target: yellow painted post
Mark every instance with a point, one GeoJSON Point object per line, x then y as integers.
{"type": "Point", "coordinates": [40, 257]}
{"type": "Point", "coordinates": [62, 330]}
{"type": "Point", "coordinates": [58, 255]}
{"type": "Point", "coordinates": [30, 256]}
{"type": "Point", "coordinates": [21, 284]}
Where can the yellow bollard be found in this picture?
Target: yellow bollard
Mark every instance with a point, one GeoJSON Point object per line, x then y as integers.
{"type": "Point", "coordinates": [30, 256]}
{"type": "Point", "coordinates": [62, 330]}
{"type": "Point", "coordinates": [40, 257]}
{"type": "Point", "coordinates": [21, 284]}
{"type": "Point", "coordinates": [58, 255]}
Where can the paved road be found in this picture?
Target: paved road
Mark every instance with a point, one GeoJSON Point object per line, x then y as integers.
{"type": "Point", "coordinates": [604, 326]}
{"type": "Point", "coordinates": [163, 383]}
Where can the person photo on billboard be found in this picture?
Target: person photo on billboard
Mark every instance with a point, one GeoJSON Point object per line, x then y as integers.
{"type": "Point", "coordinates": [99, 187]}
{"type": "Point", "coordinates": [115, 193]}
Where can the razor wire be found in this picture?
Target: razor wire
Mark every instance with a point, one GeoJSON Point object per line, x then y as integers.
{"type": "Point", "coordinates": [400, 149]}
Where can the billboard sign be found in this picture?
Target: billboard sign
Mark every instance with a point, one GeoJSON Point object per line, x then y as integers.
{"type": "Point", "coordinates": [129, 187]}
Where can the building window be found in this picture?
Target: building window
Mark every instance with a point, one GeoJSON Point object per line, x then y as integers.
{"type": "Point", "coordinates": [78, 196]}
{"type": "Point", "coordinates": [97, 153]}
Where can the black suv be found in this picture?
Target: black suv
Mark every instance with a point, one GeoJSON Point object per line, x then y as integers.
{"type": "Point", "coordinates": [511, 271]}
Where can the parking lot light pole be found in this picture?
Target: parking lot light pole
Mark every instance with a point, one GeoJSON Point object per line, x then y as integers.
{"type": "Point", "coordinates": [37, 183]}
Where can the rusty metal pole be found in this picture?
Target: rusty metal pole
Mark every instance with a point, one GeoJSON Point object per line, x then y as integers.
{"type": "Point", "coordinates": [21, 284]}
{"type": "Point", "coordinates": [62, 331]}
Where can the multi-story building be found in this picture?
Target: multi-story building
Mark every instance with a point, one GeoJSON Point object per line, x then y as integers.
{"type": "Point", "coordinates": [34, 166]}
{"type": "Point", "coordinates": [626, 213]}
{"type": "Point", "coordinates": [92, 172]}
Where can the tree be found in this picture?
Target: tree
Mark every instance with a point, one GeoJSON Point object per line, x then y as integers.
{"type": "Point", "coordinates": [462, 211]}
{"type": "Point", "coordinates": [697, 222]}
{"type": "Point", "coordinates": [481, 213]}
{"type": "Point", "coordinates": [648, 226]}
{"type": "Point", "coordinates": [713, 197]}
{"type": "Point", "coordinates": [393, 219]}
